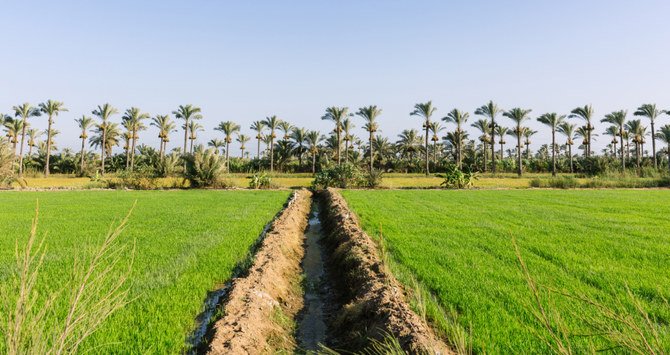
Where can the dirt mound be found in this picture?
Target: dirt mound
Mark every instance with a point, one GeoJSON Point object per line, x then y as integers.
{"type": "Point", "coordinates": [372, 302]}
{"type": "Point", "coordinates": [258, 306]}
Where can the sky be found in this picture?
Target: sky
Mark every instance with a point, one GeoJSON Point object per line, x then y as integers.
{"type": "Point", "coordinates": [246, 60]}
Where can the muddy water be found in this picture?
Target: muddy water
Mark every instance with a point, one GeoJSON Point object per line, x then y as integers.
{"type": "Point", "coordinates": [312, 327]}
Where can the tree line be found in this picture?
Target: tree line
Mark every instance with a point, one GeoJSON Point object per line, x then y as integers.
{"type": "Point", "coordinates": [441, 141]}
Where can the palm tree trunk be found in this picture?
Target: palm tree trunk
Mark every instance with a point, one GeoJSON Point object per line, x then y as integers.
{"type": "Point", "coordinates": [588, 145]}
{"type": "Point", "coordinates": [46, 163]}
{"type": "Point", "coordinates": [300, 156]}
{"type": "Point", "coordinates": [81, 164]}
{"type": "Point", "coordinates": [272, 154]}
{"type": "Point", "coordinates": [372, 155]}
{"type": "Point", "coordinates": [493, 146]}
{"type": "Point", "coordinates": [346, 150]}
{"type": "Point", "coordinates": [190, 150]}
{"type": "Point", "coordinates": [337, 132]}
{"type": "Point", "coordinates": [23, 137]}
{"type": "Point", "coordinates": [427, 166]}
{"type": "Point", "coordinates": [132, 152]}
{"type": "Point", "coordinates": [653, 144]}
{"type": "Point", "coordinates": [518, 150]}
{"type": "Point", "coordinates": [258, 149]}
{"type": "Point", "coordinates": [553, 152]}
{"type": "Point", "coordinates": [435, 153]}
{"type": "Point", "coordinates": [185, 135]}
{"type": "Point", "coordinates": [227, 155]}
{"type": "Point", "coordinates": [102, 152]}
{"type": "Point", "coordinates": [623, 159]}
{"type": "Point", "coordinates": [501, 151]}
{"type": "Point", "coordinates": [313, 163]}
{"type": "Point", "coordinates": [637, 154]}
{"type": "Point", "coordinates": [570, 153]}
{"type": "Point", "coordinates": [484, 155]}
{"type": "Point", "coordinates": [459, 152]}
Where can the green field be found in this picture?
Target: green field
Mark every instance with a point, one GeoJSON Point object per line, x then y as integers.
{"type": "Point", "coordinates": [457, 246]}
{"type": "Point", "coordinates": [187, 243]}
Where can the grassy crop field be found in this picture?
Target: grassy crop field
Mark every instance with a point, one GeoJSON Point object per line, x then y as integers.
{"type": "Point", "coordinates": [186, 244]}
{"type": "Point", "coordinates": [456, 247]}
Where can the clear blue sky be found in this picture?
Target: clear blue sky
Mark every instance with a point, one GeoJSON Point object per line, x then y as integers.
{"type": "Point", "coordinates": [244, 60]}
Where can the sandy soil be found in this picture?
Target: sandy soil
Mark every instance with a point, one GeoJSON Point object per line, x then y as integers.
{"type": "Point", "coordinates": [258, 306]}
{"type": "Point", "coordinates": [372, 302]}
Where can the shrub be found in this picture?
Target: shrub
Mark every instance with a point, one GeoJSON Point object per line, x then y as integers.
{"type": "Point", "coordinates": [342, 176]}
{"type": "Point", "coordinates": [168, 165]}
{"type": "Point", "coordinates": [140, 179]}
{"type": "Point", "coordinates": [564, 182]}
{"type": "Point", "coordinates": [454, 178]}
{"type": "Point", "coordinates": [372, 179]}
{"type": "Point", "coordinates": [6, 165]}
{"type": "Point", "coordinates": [260, 181]}
{"type": "Point", "coordinates": [204, 168]}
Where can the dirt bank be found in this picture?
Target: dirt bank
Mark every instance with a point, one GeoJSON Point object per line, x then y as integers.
{"type": "Point", "coordinates": [259, 310]}
{"type": "Point", "coordinates": [371, 301]}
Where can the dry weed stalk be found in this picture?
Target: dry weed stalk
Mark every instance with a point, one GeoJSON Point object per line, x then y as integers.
{"type": "Point", "coordinates": [97, 289]}
{"type": "Point", "coordinates": [613, 324]}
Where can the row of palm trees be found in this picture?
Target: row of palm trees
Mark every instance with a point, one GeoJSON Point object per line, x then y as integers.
{"type": "Point", "coordinates": [108, 134]}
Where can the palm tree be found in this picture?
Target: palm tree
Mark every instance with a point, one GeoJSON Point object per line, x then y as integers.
{"type": "Point", "coordinates": [651, 112]}
{"type": "Point", "coordinates": [483, 126]}
{"type": "Point", "coordinates": [32, 134]}
{"type": "Point", "coordinates": [614, 132]}
{"type": "Point", "coordinates": [369, 115]}
{"type": "Point", "coordinates": [193, 129]}
{"type": "Point", "coordinates": [187, 113]}
{"type": "Point", "coordinates": [490, 110]}
{"type": "Point", "coordinates": [272, 123]}
{"type": "Point", "coordinates": [107, 137]}
{"type": "Point", "coordinates": [285, 127]}
{"type": "Point", "coordinates": [527, 133]}
{"type": "Point", "coordinates": [165, 126]}
{"type": "Point", "coordinates": [242, 139]}
{"type": "Point", "coordinates": [435, 128]}
{"type": "Point", "coordinates": [84, 123]}
{"type": "Point", "coordinates": [258, 126]}
{"type": "Point", "coordinates": [459, 118]}
{"type": "Point", "coordinates": [552, 120]}
{"type": "Point", "coordinates": [13, 128]}
{"type": "Point", "coordinates": [568, 129]}
{"type": "Point", "coordinates": [337, 114]}
{"type": "Point", "coordinates": [409, 143]}
{"type": "Point", "coordinates": [134, 117]}
{"type": "Point", "coordinates": [228, 128]}
{"type": "Point", "coordinates": [217, 144]}
{"type": "Point", "coordinates": [583, 132]}
{"type": "Point", "coordinates": [347, 126]}
{"type": "Point", "coordinates": [518, 115]}
{"type": "Point", "coordinates": [425, 111]}
{"type": "Point", "coordinates": [50, 108]}
{"type": "Point", "coordinates": [501, 132]}
{"type": "Point", "coordinates": [104, 112]}
{"type": "Point", "coordinates": [618, 119]}
{"type": "Point", "coordinates": [586, 114]}
{"type": "Point", "coordinates": [664, 135]}
{"type": "Point", "coordinates": [635, 128]}
{"type": "Point", "coordinates": [24, 111]}
{"type": "Point", "coordinates": [313, 139]}
{"type": "Point", "coordinates": [299, 135]}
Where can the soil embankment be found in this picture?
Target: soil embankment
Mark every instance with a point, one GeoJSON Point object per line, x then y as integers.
{"type": "Point", "coordinates": [371, 301]}
{"type": "Point", "coordinates": [259, 310]}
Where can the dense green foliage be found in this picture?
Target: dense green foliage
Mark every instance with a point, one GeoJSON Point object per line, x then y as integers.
{"type": "Point", "coordinates": [186, 244]}
{"type": "Point", "coordinates": [458, 245]}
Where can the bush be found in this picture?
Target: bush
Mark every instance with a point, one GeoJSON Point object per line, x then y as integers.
{"type": "Point", "coordinates": [6, 165]}
{"type": "Point", "coordinates": [204, 169]}
{"type": "Point", "coordinates": [260, 181]}
{"type": "Point", "coordinates": [168, 165]}
{"type": "Point", "coordinates": [454, 178]}
{"type": "Point", "coordinates": [372, 179]}
{"type": "Point", "coordinates": [564, 182]}
{"type": "Point", "coordinates": [140, 179]}
{"type": "Point", "coordinates": [343, 176]}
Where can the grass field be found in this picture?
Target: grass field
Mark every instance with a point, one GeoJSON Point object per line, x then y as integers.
{"type": "Point", "coordinates": [187, 243]}
{"type": "Point", "coordinates": [457, 247]}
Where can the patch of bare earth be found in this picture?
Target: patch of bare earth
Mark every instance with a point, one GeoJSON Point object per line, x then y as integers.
{"type": "Point", "coordinates": [259, 312]}
{"type": "Point", "coordinates": [371, 302]}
